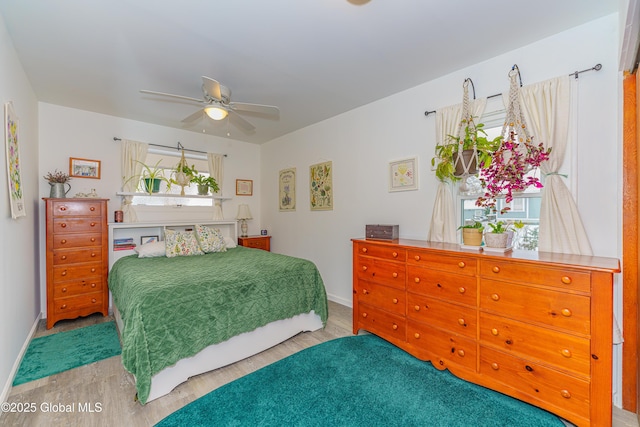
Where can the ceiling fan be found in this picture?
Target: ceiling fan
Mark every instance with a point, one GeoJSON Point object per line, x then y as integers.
{"type": "Point", "coordinates": [217, 104]}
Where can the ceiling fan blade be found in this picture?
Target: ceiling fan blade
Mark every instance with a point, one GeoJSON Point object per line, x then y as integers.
{"type": "Point", "coordinates": [240, 122]}
{"type": "Point", "coordinates": [193, 117]}
{"type": "Point", "coordinates": [211, 87]}
{"type": "Point", "coordinates": [151, 92]}
{"type": "Point", "coordinates": [271, 110]}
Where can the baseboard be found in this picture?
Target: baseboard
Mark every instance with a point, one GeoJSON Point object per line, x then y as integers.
{"type": "Point", "coordinates": [340, 300]}
{"type": "Point", "coordinates": [16, 365]}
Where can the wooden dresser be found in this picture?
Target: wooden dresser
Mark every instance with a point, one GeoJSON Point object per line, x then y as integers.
{"type": "Point", "coordinates": [256, 242]}
{"type": "Point", "coordinates": [77, 258]}
{"type": "Point", "coordinates": [535, 326]}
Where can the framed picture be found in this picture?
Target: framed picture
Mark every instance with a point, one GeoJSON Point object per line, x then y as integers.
{"type": "Point", "coordinates": [244, 187]}
{"type": "Point", "coordinates": [84, 168]}
{"type": "Point", "coordinates": [321, 186]}
{"type": "Point", "coordinates": [12, 147]}
{"type": "Point", "coordinates": [287, 190]}
{"type": "Point", "coordinates": [148, 239]}
{"type": "Point", "coordinates": [403, 174]}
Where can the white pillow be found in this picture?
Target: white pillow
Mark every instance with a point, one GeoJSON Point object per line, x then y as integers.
{"type": "Point", "coordinates": [229, 242]}
{"type": "Point", "coordinates": [153, 249]}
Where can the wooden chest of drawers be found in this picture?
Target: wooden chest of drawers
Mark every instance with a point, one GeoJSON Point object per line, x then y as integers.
{"type": "Point", "coordinates": [77, 258]}
{"type": "Point", "coordinates": [535, 326]}
{"type": "Point", "coordinates": [256, 242]}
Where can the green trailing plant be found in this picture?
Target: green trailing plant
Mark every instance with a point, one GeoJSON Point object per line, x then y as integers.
{"type": "Point", "coordinates": [209, 181]}
{"type": "Point", "coordinates": [149, 174]}
{"type": "Point", "coordinates": [500, 227]}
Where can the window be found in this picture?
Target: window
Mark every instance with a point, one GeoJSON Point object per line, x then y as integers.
{"type": "Point", "coordinates": [168, 162]}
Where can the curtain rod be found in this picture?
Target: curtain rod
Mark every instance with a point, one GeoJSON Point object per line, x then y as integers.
{"type": "Point", "coordinates": [179, 146]}
{"type": "Point", "coordinates": [575, 74]}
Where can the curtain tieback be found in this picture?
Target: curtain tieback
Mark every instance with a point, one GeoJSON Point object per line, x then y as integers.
{"type": "Point", "coordinates": [564, 175]}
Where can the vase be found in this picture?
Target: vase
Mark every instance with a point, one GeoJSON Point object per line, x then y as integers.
{"type": "Point", "coordinates": [152, 185]}
{"type": "Point", "coordinates": [58, 191]}
{"type": "Point", "coordinates": [203, 189]}
{"type": "Point", "coordinates": [496, 240]}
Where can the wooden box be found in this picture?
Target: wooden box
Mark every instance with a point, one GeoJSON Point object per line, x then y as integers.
{"type": "Point", "coordinates": [383, 232]}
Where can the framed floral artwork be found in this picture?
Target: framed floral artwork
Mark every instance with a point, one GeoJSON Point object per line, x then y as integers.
{"type": "Point", "coordinates": [403, 174]}
{"type": "Point", "coordinates": [321, 186]}
{"type": "Point", "coordinates": [287, 190]}
{"type": "Point", "coordinates": [12, 148]}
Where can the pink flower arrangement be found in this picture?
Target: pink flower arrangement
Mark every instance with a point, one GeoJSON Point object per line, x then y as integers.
{"type": "Point", "coordinates": [506, 172]}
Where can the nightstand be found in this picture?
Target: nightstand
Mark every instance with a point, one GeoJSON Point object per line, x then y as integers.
{"type": "Point", "coordinates": [256, 242]}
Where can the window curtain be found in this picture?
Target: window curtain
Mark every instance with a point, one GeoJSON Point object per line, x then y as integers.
{"type": "Point", "coordinates": [546, 107]}
{"type": "Point", "coordinates": [443, 219]}
{"type": "Point", "coordinates": [133, 155]}
{"type": "Point", "coordinates": [216, 170]}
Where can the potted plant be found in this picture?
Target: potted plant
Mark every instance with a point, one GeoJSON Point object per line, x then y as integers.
{"type": "Point", "coordinates": [448, 168]}
{"type": "Point", "coordinates": [152, 177]}
{"type": "Point", "coordinates": [57, 180]}
{"type": "Point", "coordinates": [183, 173]}
{"type": "Point", "coordinates": [205, 183]}
{"type": "Point", "coordinates": [472, 233]}
{"type": "Point", "coordinates": [501, 233]}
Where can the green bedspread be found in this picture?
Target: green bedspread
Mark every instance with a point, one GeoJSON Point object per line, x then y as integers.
{"type": "Point", "coordinates": [174, 307]}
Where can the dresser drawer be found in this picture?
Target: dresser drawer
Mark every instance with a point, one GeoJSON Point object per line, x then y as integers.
{"type": "Point", "coordinates": [458, 264]}
{"type": "Point", "coordinates": [77, 287]}
{"type": "Point", "coordinates": [573, 280]}
{"type": "Point", "coordinates": [455, 318]}
{"type": "Point", "coordinates": [384, 297]}
{"type": "Point", "coordinates": [75, 225]}
{"type": "Point", "coordinates": [72, 272]}
{"type": "Point", "coordinates": [558, 309]}
{"type": "Point", "coordinates": [389, 326]}
{"type": "Point", "coordinates": [542, 384]}
{"type": "Point", "coordinates": [449, 287]}
{"type": "Point", "coordinates": [566, 351]}
{"type": "Point", "coordinates": [79, 302]}
{"type": "Point", "coordinates": [443, 348]}
{"type": "Point", "coordinates": [384, 272]}
{"type": "Point", "coordinates": [388, 252]}
{"type": "Point", "coordinates": [69, 208]}
{"type": "Point", "coordinates": [72, 256]}
{"type": "Point", "coordinates": [61, 241]}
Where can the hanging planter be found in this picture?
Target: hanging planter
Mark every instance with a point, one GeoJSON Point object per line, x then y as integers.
{"type": "Point", "coordinates": [517, 156]}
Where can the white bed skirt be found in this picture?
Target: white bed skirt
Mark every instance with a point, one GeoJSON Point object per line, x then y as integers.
{"type": "Point", "coordinates": [228, 352]}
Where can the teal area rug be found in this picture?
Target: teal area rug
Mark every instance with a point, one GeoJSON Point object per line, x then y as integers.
{"type": "Point", "coordinates": [55, 353]}
{"type": "Point", "coordinates": [356, 381]}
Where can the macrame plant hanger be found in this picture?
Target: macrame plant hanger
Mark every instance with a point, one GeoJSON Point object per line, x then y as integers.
{"type": "Point", "coordinates": [182, 178]}
{"type": "Point", "coordinates": [514, 123]}
{"type": "Point", "coordinates": [466, 161]}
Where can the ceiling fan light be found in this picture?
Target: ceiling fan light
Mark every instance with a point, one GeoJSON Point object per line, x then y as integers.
{"type": "Point", "coordinates": [216, 113]}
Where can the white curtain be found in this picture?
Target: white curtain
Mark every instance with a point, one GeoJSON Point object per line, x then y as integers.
{"type": "Point", "coordinates": [443, 219]}
{"type": "Point", "coordinates": [216, 170]}
{"type": "Point", "coordinates": [546, 106]}
{"type": "Point", "coordinates": [133, 155]}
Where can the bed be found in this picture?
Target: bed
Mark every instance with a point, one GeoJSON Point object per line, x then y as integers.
{"type": "Point", "coordinates": [184, 315]}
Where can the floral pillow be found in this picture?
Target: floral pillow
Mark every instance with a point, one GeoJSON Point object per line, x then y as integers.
{"type": "Point", "coordinates": [210, 239]}
{"type": "Point", "coordinates": [181, 243]}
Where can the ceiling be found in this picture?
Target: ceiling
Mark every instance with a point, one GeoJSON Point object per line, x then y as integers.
{"type": "Point", "coordinates": [312, 59]}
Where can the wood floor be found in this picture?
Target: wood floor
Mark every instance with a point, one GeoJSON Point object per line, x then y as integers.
{"type": "Point", "coordinates": [107, 389]}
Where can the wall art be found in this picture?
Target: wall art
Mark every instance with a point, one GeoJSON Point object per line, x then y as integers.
{"type": "Point", "coordinates": [244, 187]}
{"type": "Point", "coordinates": [321, 186]}
{"type": "Point", "coordinates": [84, 168]}
{"type": "Point", "coordinates": [403, 174]}
{"type": "Point", "coordinates": [12, 148]}
{"type": "Point", "coordinates": [287, 190]}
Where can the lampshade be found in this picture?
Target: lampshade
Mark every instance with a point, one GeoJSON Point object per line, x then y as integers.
{"type": "Point", "coordinates": [244, 212]}
{"type": "Point", "coordinates": [216, 113]}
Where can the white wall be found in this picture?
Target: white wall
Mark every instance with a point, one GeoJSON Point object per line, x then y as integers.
{"type": "Point", "coordinates": [19, 287]}
{"type": "Point", "coordinates": [362, 142]}
{"type": "Point", "coordinates": [67, 132]}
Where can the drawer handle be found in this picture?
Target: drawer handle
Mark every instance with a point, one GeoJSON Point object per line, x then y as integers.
{"type": "Point", "coordinates": [64, 289]}
{"type": "Point", "coordinates": [63, 208]}
{"type": "Point", "coordinates": [63, 225]}
{"type": "Point", "coordinates": [63, 306]}
{"type": "Point", "coordinates": [417, 257]}
{"type": "Point", "coordinates": [461, 322]}
{"type": "Point", "coordinates": [93, 224]}
{"type": "Point", "coordinates": [394, 275]}
{"type": "Point", "coordinates": [394, 327]}
{"type": "Point", "coordinates": [462, 290]}
{"type": "Point", "coordinates": [92, 208]}
{"type": "Point", "coordinates": [93, 239]}
{"type": "Point", "coordinates": [566, 312]}
{"type": "Point", "coordinates": [364, 314]}
{"type": "Point", "coordinates": [461, 264]}
{"type": "Point", "coordinates": [395, 254]}
{"type": "Point", "coordinates": [416, 307]}
{"type": "Point", "coordinates": [364, 250]}
{"type": "Point", "coordinates": [461, 353]}
{"type": "Point", "coordinates": [566, 280]}
{"type": "Point", "coordinates": [64, 273]}
{"type": "Point", "coordinates": [93, 254]}
{"type": "Point", "coordinates": [496, 269]}
{"type": "Point", "coordinates": [417, 280]}
{"type": "Point", "coordinates": [495, 366]}
{"type": "Point", "coordinates": [566, 353]}
{"type": "Point", "coordinates": [395, 300]}
{"type": "Point", "coordinates": [365, 268]}
{"type": "Point", "coordinates": [495, 297]}
{"type": "Point", "coordinates": [565, 394]}
{"type": "Point", "coordinates": [93, 300]}
{"type": "Point", "coordinates": [416, 336]}
{"type": "Point", "coordinates": [93, 270]}
{"type": "Point", "coordinates": [366, 292]}
{"type": "Point", "coordinates": [93, 285]}
{"type": "Point", "coordinates": [494, 332]}
{"type": "Point", "coordinates": [63, 241]}
{"type": "Point", "coordinates": [63, 257]}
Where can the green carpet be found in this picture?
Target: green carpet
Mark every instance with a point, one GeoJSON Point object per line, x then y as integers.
{"type": "Point", "coordinates": [55, 353]}
{"type": "Point", "coordinates": [356, 381]}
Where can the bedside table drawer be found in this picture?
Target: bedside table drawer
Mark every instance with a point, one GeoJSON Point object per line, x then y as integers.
{"type": "Point", "coordinates": [256, 242]}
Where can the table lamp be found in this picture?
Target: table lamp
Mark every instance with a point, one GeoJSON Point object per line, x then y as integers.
{"type": "Point", "coordinates": [243, 215]}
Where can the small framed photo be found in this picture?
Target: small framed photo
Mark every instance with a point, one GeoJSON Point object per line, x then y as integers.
{"type": "Point", "coordinates": [84, 168]}
{"type": "Point", "coordinates": [148, 239]}
{"type": "Point", "coordinates": [244, 187]}
{"type": "Point", "coordinates": [403, 174]}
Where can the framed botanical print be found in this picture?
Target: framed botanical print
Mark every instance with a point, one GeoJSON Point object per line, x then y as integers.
{"type": "Point", "coordinates": [321, 186]}
{"type": "Point", "coordinates": [12, 148]}
{"type": "Point", "coordinates": [403, 174]}
{"type": "Point", "coordinates": [287, 190]}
